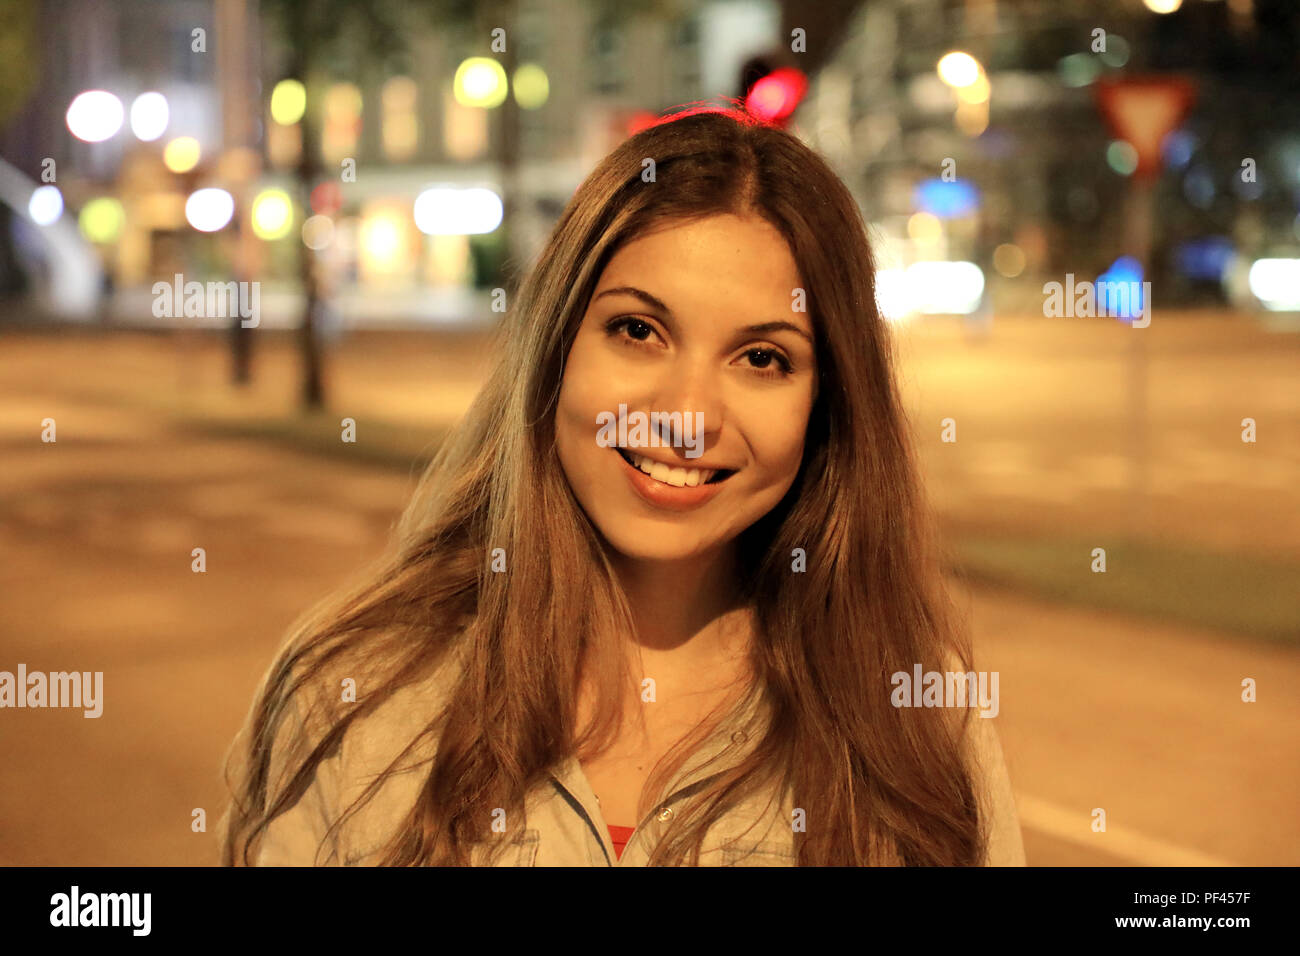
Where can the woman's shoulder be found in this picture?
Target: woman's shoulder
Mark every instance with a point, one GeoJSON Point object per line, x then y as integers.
{"type": "Point", "coordinates": [385, 744]}
{"type": "Point", "coordinates": [406, 713]}
{"type": "Point", "coordinates": [392, 708]}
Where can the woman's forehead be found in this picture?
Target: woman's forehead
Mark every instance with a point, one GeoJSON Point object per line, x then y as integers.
{"type": "Point", "coordinates": [741, 261]}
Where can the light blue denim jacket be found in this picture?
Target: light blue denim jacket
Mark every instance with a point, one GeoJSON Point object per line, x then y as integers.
{"type": "Point", "coordinates": [564, 826]}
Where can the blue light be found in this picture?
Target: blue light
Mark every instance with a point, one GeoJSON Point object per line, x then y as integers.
{"type": "Point", "coordinates": [1125, 269]}
{"type": "Point", "coordinates": [1203, 258]}
{"type": "Point", "coordinates": [947, 200]}
{"type": "Point", "coordinates": [1177, 148]}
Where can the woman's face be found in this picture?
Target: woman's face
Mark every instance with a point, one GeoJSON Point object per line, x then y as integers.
{"type": "Point", "coordinates": [698, 319]}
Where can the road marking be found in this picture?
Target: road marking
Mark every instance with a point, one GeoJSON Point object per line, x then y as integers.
{"type": "Point", "coordinates": [1138, 848]}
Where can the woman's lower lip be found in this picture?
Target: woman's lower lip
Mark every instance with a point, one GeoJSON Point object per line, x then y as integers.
{"type": "Point", "coordinates": [666, 496]}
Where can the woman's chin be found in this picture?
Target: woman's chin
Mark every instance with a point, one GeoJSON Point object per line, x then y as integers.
{"type": "Point", "coordinates": [656, 544]}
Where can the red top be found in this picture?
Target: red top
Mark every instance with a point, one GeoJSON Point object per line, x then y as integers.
{"type": "Point", "coordinates": [620, 836]}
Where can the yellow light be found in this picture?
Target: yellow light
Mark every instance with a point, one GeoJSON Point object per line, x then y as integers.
{"type": "Point", "coordinates": [531, 86]}
{"type": "Point", "coordinates": [480, 82]}
{"type": "Point", "coordinates": [101, 219]}
{"type": "Point", "coordinates": [959, 69]}
{"type": "Point", "coordinates": [1163, 6]}
{"type": "Point", "coordinates": [380, 239]}
{"type": "Point", "coordinates": [925, 228]}
{"type": "Point", "coordinates": [288, 102]}
{"type": "Point", "coordinates": [972, 118]}
{"type": "Point", "coordinates": [401, 128]}
{"type": "Point", "coordinates": [181, 154]}
{"type": "Point", "coordinates": [977, 92]}
{"type": "Point", "coordinates": [272, 215]}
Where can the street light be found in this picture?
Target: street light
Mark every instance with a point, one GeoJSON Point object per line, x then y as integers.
{"type": "Point", "coordinates": [149, 116]}
{"type": "Point", "coordinates": [181, 154]}
{"type": "Point", "coordinates": [288, 102]}
{"type": "Point", "coordinates": [480, 81]}
{"type": "Point", "coordinates": [958, 69]}
{"type": "Point", "coordinates": [94, 116]}
{"type": "Point", "coordinates": [46, 205]}
{"type": "Point", "coordinates": [209, 210]}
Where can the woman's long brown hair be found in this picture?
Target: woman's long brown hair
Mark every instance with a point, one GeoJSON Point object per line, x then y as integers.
{"type": "Point", "coordinates": [879, 784]}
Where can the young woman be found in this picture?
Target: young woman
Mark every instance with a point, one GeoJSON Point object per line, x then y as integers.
{"type": "Point", "coordinates": [645, 605]}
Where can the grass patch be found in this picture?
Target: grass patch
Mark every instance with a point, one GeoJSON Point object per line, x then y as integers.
{"type": "Point", "coordinates": [1240, 593]}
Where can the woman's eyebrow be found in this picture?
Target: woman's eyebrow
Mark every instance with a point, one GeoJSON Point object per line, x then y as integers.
{"type": "Point", "coordinates": [641, 294]}
{"type": "Point", "coordinates": [655, 303]}
{"type": "Point", "coordinates": [778, 327]}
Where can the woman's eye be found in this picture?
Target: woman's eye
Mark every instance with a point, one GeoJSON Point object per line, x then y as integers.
{"type": "Point", "coordinates": [637, 330]}
{"type": "Point", "coordinates": [762, 360]}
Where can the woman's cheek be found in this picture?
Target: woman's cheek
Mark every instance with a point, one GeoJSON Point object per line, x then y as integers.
{"type": "Point", "coordinates": [777, 433]}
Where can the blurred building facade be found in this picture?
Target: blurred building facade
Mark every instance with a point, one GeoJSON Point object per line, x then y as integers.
{"type": "Point", "coordinates": [389, 128]}
{"type": "Point", "coordinates": [1052, 184]}
{"type": "Point", "coordinates": [1020, 178]}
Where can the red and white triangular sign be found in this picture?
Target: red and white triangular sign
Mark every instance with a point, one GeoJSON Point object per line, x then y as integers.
{"type": "Point", "coordinates": [1143, 111]}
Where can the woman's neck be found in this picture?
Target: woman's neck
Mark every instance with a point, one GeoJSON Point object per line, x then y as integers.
{"type": "Point", "coordinates": [687, 613]}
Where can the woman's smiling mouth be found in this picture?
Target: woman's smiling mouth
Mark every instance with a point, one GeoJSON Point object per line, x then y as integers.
{"type": "Point", "coordinates": [676, 476]}
{"type": "Point", "coordinates": [669, 487]}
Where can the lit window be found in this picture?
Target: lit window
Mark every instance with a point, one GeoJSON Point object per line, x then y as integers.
{"type": "Point", "coordinates": [401, 126]}
{"type": "Point", "coordinates": [342, 122]}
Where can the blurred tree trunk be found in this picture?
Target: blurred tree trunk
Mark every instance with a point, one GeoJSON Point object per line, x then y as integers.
{"type": "Point", "coordinates": [501, 13]}
{"type": "Point", "coordinates": [309, 344]}
{"type": "Point", "coordinates": [313, 32]}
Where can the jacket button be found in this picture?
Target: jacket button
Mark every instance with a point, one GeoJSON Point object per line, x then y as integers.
{"type": "Point", "coordinates": [665, 814]}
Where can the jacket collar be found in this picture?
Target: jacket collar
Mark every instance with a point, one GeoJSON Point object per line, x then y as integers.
{"type": "Point", "coordinates": [734, 739]}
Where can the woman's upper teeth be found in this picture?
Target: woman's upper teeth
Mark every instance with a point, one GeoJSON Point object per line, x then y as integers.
{"type": "Point", "coordinates": [681, 477]}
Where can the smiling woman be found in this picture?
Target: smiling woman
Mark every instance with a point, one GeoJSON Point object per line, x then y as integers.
{"type": "Point", "coordinates": [658, 649]}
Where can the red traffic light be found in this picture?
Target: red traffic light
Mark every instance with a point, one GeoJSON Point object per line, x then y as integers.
{"type": "Point", "coordinates": [775, 96]}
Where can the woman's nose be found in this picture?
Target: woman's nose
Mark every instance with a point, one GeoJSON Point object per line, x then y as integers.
{"type": "Point", "coordinates": [694, 391]}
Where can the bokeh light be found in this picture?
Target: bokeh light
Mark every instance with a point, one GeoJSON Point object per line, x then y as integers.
{"type": "Point", "coordinates": [46, 205]}
{"type": "Point", "coordinates": [924, 228]}
{"type": "Point", "coordinates": [442, 211]}
{"type": "Point", "coordinates": [101, 219]}
{"type": "Point", "coordinates": [149, 116]}
{"type": "Point", "coordinates": [181, 154]}
{"type": "Point", "coordinates": [288, 102]}
{"type": "Point", "coordinates": [272, 214]}
{"type": "Point", "coordinates": [1009, 260]}
{"type": "Point", "coordinates": [481, 82]}
{"type": "Point", "coordinates": [327, 198]}
{"type": "Point", "coordinates": [1122, 157]}
{"type": "Point", "coordinates": [777, 95]}
{"type": "Point", "coordinates": [959, 69]}
{"type": "Point", "coordinates": [208, 210]}
{"type": "Point", "coordinates": [318, 232]}
{"type": "Point", "coordinates": [1078, 69]}
{"type": "Point", "coordinates": [1117, 50]}
{"type": "Point", "coordinates": [94, 116]}
{"type": "Point", "coordinates": [532, 87]}
{"type": "Point", "coordinates": [381, 237]}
